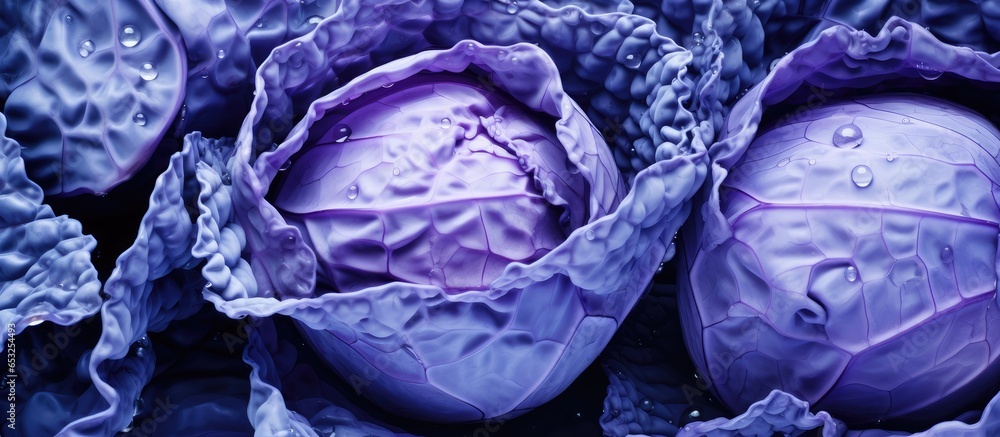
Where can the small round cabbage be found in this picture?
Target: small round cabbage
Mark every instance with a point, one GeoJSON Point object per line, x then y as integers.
{"type": "Point", "coordinates": [859, 275]}
{"type": "Point", "coordinates": [430, 181]}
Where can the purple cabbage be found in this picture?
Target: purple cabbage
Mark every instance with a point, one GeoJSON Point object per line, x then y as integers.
{"type": "Point", "coordinates": [820, 282]}
{"type": "Point", "coordinates": [429, 355]}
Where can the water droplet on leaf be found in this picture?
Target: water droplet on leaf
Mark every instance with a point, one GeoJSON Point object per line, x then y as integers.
{"type": "Point", "coordinates": [947, 255]}
{"type": "Point", "coordinates": [695, 414]}
{"type": "Point", "coordinates": [395, 171]}
{"type": "Point", "coordinates": [314, 20]}
{"type": "Point", "coordinates": [512, 8]}
{"type": "Point", "coordinates": [851, 274]}
{"type": "Point", "coordinates": [862, 176]}
{"type": "Point", "coordinates": [445, 123]}
{"type": "Point", "coordinates": [597, 27]}
{"type": "Point", "coordinates": [221, 53]}
{"type": "Point", "coordinates": [86, 48]}
{"type": "Point", "coordinates": [129, 36]}
{"type": "Point", "coordinates": [352, 192]}
{"type": "Point", "coordinates": [906, 120]}
{"type": "Point", "coordinates": [139, 119]}
{"type": "Point", "coordinates": [341, 133]}
{"type": "Point", "coordinates": [928, 72]}
{"type": "Point", "coordinates": [812, 161]}
{"type": "Point", "coordinates": [285, 166]}
{"type": "Point", "coordinates": [633, 61]}
{"type": "Point", "coordinates": [646, 405]}
{"type": "Point", "coordinates": [590, 234]}
{"type": "Point", "coordinates": [148, 71]}
{"type": "Point", "coordinates": [848, 136]}
{"type": "Point", "coordinates": [891, 156]}
{"type": "Point", "coordinates": [698, 38]}
{"type": "Point", "coordinates": [68, 19]}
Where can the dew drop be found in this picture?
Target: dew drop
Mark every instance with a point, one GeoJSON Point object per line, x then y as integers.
{"type": "Point", "coordinates": [139, 119]}
{"type": "Point", "coordinates": [659, 269]}
{"type": "Point", "coordinates": [597, 27]}
{"type": "Point", "coordinates": [848, 136]}
{"type": "Point", "coordinates": [260, 24]}
{"type": "Point", "coordinates": [137, 407]}
{"type": "Point", "coordinates": [68, 19]}
{"type": "Point", "coordinates": [698, 38]}
{"type": "Point", "coordinates": [395, 171]}
{"type": "Point", "coordinates": [633, 61]}
{"type": "Point", "coordinates": [615, 413]}
{"type": "Point", "coordinates": [774, 64]}
{"type": "Point", "coordinates": [129, 36]}
{"type": "Point", "coordinates": [812, 161]}
{"type": "Point", "coordinates": [512, 8]}
{"type": "Point", "coordinates": [36, 321]}
{"type": "Point", "coordinates": [352, 192]}
{"type": "Point", "coordinates": [221, 53]}
{"type": "Point", "coordinates": [227, 179]}
{"type": "Point", "coordinates": [470, 47]}
{"type": "Point", "coordinates": [590, 234]}
{"type": "Point", "coordinates": [851, 274]}
{"type": "Point", "coordinates": [906, 120]}
{"type": "Point", "coordinates": [445, 123]}
{"type": "Point", "coordinates": [784, 162]}
{"type": "Point", "coordinates": [862, 176]}
{"type": "Point", "coordinates": [891, 156]}
{"type": "Point", "coordinates": [128, 428]}
{"type": "Point", "coordinates": [86, 48]}
{"type": "Point", "coordinates": [646, 405]}
{"type": "Point", "coordinates": [928, 72]}
{"type": "Point", "coordinates": [947, 255]}
{"type": "Point", "coordinates": [285, 166]}
{"type": "Point", "coordinates": [695, 414]}
{"type": "Point", "coordinates": [147, 71]}
{"type": "Point", "coordinates": [341, 133]}
{"type": "Point", "coordinates": [314, 20]}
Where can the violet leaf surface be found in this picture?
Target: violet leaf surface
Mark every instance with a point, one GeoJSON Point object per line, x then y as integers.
{"type": "Point", "coordinates": [89, 88]}
{"type": "Point", "coordinates": [841, 62]}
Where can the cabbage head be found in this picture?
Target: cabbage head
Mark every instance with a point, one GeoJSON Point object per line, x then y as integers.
{"type": "Point", "coordinates": [442, 227]}
{"type": "Point", "coordinates": [845, 258]}
{"type": "Point", "coordinates": [859, 275]}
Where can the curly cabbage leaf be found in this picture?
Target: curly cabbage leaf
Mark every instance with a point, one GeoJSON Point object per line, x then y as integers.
{"type": "Point", "coordinates": [225, 41]}
{"type": "Point", "coordinates": [844, 62]}
{"type": "Point", "coordinates": [45, 268]}
{"type": "Point", "coordinates": [89, 88]}
{"type": "Point", "coordinates": [46, 274]}
{"type": "Point", "coordinates": [148, 289]}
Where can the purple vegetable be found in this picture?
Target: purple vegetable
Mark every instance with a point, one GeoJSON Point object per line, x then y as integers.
{"type": "Point", "coordinates": [90, 89]}
{"type": "Point", "coordinates": [847, 256]}
{"type": "Point", "coordinates": [436, 180]}
{"type": "Point", "coordinates": [453, 346]}
{"type": "Point", "coordinates": [859, 276]}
